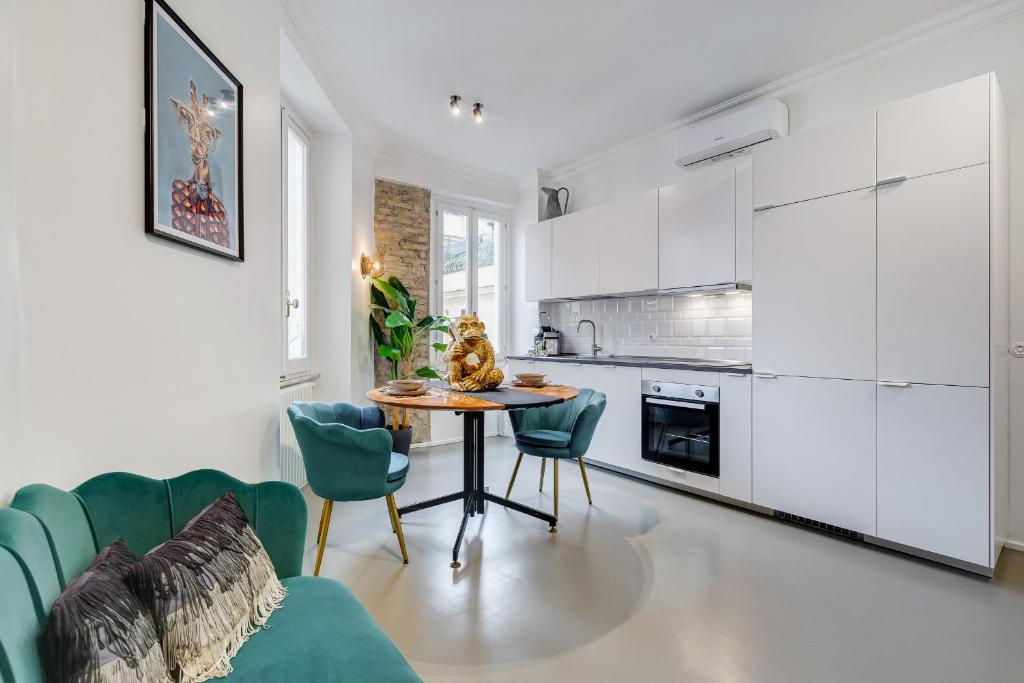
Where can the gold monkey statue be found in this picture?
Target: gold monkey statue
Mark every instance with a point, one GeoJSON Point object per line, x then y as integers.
{"type": "Point", "coordinates": [471, 357]}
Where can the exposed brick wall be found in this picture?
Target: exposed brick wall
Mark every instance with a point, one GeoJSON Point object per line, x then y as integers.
{"type": "Point", "coordinates": [402, 233]}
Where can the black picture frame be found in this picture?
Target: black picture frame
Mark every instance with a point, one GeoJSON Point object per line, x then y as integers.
{"type": "Point", "coordinates": [154, 115]}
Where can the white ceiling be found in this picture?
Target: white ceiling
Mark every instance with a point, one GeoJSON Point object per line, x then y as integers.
{"type": "Point", "coordinates": [564, 79]}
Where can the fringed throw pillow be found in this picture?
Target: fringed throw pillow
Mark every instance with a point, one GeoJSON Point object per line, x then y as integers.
{"type": "Point", "coordinates": [99, 632]}
{"type": "Point", "coordinates": [208, 589]}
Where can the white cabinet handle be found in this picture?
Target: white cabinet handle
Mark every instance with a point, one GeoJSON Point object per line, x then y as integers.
{"type": "Point", "coordinates": [734, 374]}
{"type": "Point", "coordinates": [891, 181]}
{"type": "Point", "coordinates": [766, 375]}
{"type": "Point", "coordinates": [763, 207]}
{"type": "Point", "coordinates": [896, 385]}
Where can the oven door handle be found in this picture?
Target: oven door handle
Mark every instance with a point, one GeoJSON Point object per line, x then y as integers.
{"type": "Point", "coordinates": [677, 404]}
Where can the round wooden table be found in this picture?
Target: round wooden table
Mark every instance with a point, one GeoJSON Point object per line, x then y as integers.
{"type": "Point", "coordinates": [474, 492]}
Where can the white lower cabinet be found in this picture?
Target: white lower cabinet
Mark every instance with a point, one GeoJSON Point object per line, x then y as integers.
{"type": "Point", "coordinates": [814, 449]}
{"type": "Point", "coordinates": [734, 441]}
{"type": "Point", "coordinates": [617, 439]}
{"type": "Point", "coordinates": [557, 372]}
{"type": "Point", "coordinates": [933, 469]}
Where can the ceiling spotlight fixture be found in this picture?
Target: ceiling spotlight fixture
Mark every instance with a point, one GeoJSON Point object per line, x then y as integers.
{"type": "Point", "coordinates": [455, 104]}
{"type": "Point", "coordinates": [478, 112]}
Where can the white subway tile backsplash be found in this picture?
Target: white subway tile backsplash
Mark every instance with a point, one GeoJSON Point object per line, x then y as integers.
{"type": "Point", "coordinates": [686, 326]}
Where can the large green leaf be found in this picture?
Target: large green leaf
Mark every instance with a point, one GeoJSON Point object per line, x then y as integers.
{"type": "Point", "coordinates": [397, 284]}
{"type": "Point", "coordinates": [397, 319]}
{"type": "Point", "coordinates": [401, 303]}
{"type": "Point", "coordinates": [432, 320]}
{"type": "Point", "coordinates": [428, 372]}
{"type": "Point", "coordinates": [440, 346]}
{"type": "Point", "coordinates": [377, 298]}
{"type": "Point", "coordinates": [390, 352]}
{"type": "Point", "coordinates": [378, 334]}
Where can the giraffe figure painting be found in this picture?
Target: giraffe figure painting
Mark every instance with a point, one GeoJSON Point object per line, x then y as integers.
{"type": "Point", "coordinates": [195, 208]}
{"type": "Point", "coordinates": [193, 140]}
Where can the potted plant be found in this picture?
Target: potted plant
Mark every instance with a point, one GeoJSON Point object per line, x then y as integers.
{"type": "Point", "coordinates": [396, 339]}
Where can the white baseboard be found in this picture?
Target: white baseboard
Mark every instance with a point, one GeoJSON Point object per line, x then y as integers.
{"type": "Point", "coordinates": [1014, 545]}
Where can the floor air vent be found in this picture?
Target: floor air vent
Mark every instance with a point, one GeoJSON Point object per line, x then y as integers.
{"type": "Point", "coordinates": [820, 526]}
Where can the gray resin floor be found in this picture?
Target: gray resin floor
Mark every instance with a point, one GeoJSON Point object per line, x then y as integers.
{"type": "Point", "coordinates": [653, 585]}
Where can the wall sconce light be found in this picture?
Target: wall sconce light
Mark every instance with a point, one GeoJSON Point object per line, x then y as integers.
{"type": "Point", "coordinates": [371, 267]}
{"type": "Point", "coordinates": [478, 112]}
{"type": "Point", "coordinates": [455, 104]}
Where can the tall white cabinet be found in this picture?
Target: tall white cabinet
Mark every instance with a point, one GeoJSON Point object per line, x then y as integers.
{"type": "Point", "coordinates": [880, 323]}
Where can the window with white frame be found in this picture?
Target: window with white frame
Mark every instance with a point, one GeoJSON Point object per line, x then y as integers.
{"type": "Point", "coordinates": [295, 241]}
{"type": "Point", "coordinates": [470, 265]}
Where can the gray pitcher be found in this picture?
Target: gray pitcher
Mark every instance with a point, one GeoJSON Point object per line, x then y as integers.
{"type": "Point", "coordinates": [550, 208]}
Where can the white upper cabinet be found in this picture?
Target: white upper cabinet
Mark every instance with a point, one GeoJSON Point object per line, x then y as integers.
{"type": "Point", "coordinates": [933, 279]}
{"type": "Point", "coordinates": [537, 261]}
{"type": "Point", "coordinates": [937, 131]}
{"type": "Point", "coordinates": [744, 221]}
{"type": "Point", "coordinates": [574, 254]}
{"type": "Point", "coordinates": [734, 440]}
{"type": "Point", "coordinates": [933, 469]}
{"type": "Point", "coordinates": [697, 226]}
{"type": "Point", "coordinates": [814, 269]}
{"type": "Point", "coordinates": [626, 233]}
{"type": "Point", "coordinates": [814, 449]}
{"type": "Point", "coordinates": [835, 158]}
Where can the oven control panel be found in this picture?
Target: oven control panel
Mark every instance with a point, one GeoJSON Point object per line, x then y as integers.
{"type": "Point", "coordinates": [680, 392]}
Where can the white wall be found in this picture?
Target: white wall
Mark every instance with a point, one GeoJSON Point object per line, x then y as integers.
{"type": "Point", "coordinates": [10, 296]}
{"type": "Point", "coordinates": [136, 353]}
{"type": "Point", "coordinates": [341, 352]}
{"type": "Point", "coordinates": [443, 178]}
{"type": "Point", "coordinates": [996, 47]}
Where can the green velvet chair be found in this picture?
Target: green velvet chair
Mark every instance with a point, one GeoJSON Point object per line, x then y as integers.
{"type": "Point", "coordinates": [48, 537]}
{"type": "Point", "coordinates": [559, 432]}
{"type": "Point", "coordinates": [347, 453]}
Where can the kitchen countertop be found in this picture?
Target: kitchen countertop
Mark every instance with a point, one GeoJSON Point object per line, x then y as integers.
{"type": "Point", "coordinates": [701, 364]}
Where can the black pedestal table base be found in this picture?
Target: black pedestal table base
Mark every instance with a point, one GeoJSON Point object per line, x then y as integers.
{"type": "Point", "coordinates": [474, 493]}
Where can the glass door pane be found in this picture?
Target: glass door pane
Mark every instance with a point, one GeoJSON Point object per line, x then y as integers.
{"type": "Point", "coordinates": [488, 281]}
{"type": "Point", "coordinates": [454, 263]}
{"type": "Point", "coordinates": [297, 247]}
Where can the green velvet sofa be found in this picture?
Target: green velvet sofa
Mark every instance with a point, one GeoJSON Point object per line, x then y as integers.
{"type": "Point", "coordinates": [48, 537]}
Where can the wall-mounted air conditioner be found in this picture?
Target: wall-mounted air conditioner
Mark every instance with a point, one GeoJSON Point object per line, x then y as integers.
{"type": "Point", "coordinates": [731, 131]}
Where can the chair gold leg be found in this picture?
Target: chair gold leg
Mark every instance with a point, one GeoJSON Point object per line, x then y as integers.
{"type": "Point", "coordinates": [328, 508]}
{"type": "Point", "coordinates": [396, 522]}
{"type": "Point", "coordinates": [586, 484]}
{"type": "Point", "coordinates": [515, 471]}
{"type": "Point", "coordinates": [320, 527]}
{"type": "Point", "coordinates": [555, 463]}
{"type": "Point", "coordinates": [543, 463]}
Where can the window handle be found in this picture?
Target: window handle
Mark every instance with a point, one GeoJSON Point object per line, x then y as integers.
{"type": "Point", "coordinates": [289, 304]}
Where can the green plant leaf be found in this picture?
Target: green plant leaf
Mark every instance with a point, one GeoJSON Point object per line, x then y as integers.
{"type": "Point", "coordinates": [428, 372]}
{"type": "Point", "coordinates": [431, 320]}
{"type": "Point", "coordinates": [440, 346]}
{"type": "Point", "coordinates": [397, 319]}
{"type": "Point", "coordinates": [397, 284]}
{"type": "Point", "coordinates": [378, 334]}
{"type": "Point", "coordinates": [392, 293]}
{"type": "Point", "coordinates": [390, 352]}
{"type": "Point", "coordinates": [377, 298]}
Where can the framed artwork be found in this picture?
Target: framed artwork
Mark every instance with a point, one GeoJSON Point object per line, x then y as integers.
{"type": "Point", "coordinates": [193, 139]}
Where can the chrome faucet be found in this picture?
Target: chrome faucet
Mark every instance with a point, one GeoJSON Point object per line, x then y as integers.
{"type": "Point", "coordinates": [594, 348]}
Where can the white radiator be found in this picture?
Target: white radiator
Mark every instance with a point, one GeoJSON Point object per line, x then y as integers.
{"type": "Point", "coordinates": [289, 458]}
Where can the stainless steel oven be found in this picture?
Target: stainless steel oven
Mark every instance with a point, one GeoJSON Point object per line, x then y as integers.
{"type": "Point", "coordinates": [680, 426]}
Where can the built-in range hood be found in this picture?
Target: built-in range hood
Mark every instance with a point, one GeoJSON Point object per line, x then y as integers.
{"type": "Point", "coordinates": [720, 288]}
